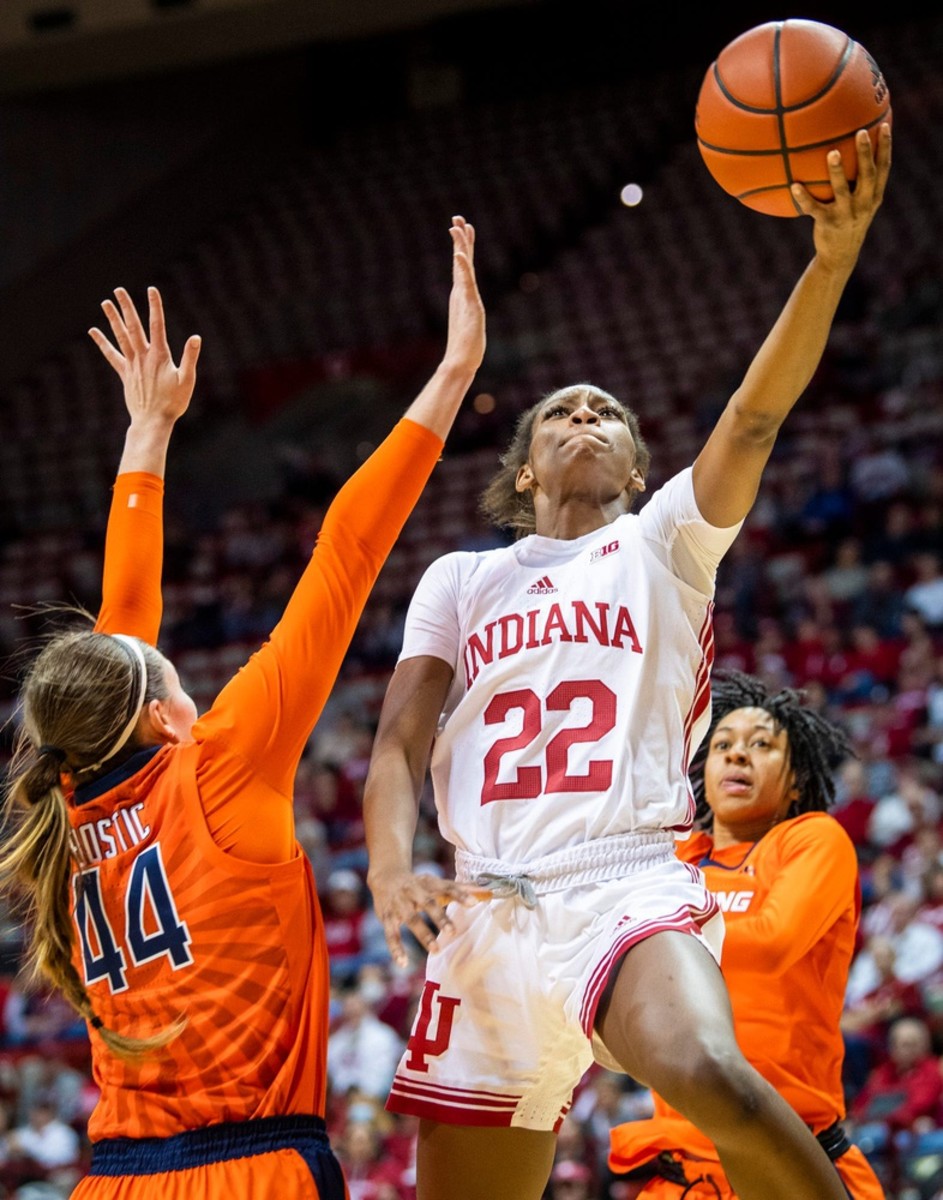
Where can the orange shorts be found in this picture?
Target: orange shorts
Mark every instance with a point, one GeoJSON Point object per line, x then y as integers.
{"type": "Point", "coordinates": [251, 1160]}
{"type": "Point", "coordinates": [707, 1181]}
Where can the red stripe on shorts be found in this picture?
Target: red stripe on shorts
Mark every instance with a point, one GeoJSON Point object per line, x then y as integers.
{"type": "Point", "coordinates": [682, 920]}
{"type": "Point", "coordinates": [454, 1106]}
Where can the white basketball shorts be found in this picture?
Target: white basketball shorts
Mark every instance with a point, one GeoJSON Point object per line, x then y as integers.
{"type": "Point", "coordinates": [504, 1028]}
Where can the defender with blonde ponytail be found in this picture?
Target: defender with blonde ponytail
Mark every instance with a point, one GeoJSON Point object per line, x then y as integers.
{"type": "Point", "coordinates": [167, 895]}
{"type": "Point", "coordinates": [73, 698]}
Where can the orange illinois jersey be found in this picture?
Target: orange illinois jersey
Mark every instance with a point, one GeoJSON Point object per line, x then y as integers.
{"type": "Point", "coordinates": [791, 903]}
{"type": "Point", "coordinates": [173, 928]}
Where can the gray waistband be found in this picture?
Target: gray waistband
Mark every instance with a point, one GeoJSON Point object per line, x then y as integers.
{"type": "Point", "coordinates": [589, 862]}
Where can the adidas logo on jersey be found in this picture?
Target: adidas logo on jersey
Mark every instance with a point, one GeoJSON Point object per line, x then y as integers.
{"type": "Point", "coordinates": [543, 587]}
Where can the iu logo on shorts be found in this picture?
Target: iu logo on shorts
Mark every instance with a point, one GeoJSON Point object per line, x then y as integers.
{"type": "Point", "coordinates": [421, 1043]}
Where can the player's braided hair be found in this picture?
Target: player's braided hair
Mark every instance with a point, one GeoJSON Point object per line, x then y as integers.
{"type": "Point", "coordinates": [816, 746]}
{"type": "Point", "coordinates": [501, 503]}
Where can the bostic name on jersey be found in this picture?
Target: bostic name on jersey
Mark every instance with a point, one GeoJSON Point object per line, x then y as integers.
{"type": "Point", "coordinates": [94, 840]}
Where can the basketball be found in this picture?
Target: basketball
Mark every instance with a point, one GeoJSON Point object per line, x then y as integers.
{"type": "Point", "coordinates": [776, 101]}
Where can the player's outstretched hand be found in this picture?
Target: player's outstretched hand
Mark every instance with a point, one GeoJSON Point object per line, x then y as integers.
{"type": "Point", "coordinates": [419, 903]}
{"type": "Point", "coordinates": [155, 388]}
{"type": "Point", "coordinates": [466, 341]}
{"type": "Point", "coordinates": [841, 224]}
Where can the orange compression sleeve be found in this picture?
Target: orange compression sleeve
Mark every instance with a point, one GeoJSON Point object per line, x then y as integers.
{"type": "Point", "coordinates": [266, 713]}
{"type": "Point", "coordinates": [813, 882]}
{"type": "Point", "coordinates": [134, 550]}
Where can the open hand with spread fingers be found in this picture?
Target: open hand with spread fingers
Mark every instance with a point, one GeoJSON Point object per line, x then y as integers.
{"type": "Point", "coordinates": [156, 389]}
{"type": "Point", "coordinates": [418, 903]}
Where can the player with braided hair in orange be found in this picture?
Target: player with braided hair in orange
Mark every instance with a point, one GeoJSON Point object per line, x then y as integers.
{"type": "Point", "coordinates": [786, 876]}
{"type": "Point", "coordinates": [168, 896]}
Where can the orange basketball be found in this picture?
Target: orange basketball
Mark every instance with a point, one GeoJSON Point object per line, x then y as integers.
{"type": "Point", "coordinates": [777, 99]}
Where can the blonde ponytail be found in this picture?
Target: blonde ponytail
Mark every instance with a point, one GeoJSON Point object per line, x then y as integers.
{"type": "Point", "coordinates": [70, 697]}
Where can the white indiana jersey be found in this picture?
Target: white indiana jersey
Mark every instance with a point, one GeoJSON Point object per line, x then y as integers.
{"type": "Point", "coordinates": [581, 684]}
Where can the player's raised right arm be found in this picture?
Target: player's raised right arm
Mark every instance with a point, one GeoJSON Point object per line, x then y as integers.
{"type": "Point", "coordinates": [728, 470]}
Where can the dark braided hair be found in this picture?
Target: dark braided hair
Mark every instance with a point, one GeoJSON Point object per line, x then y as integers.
{"type": "Point", "coordinates": [816, 746]}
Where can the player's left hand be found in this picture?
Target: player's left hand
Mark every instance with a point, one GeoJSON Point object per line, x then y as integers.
{"type": "Point", "coordinates": [841, 224]}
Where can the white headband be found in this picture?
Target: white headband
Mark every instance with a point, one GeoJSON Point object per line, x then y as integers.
{"type": "Point", "coordinates": [137, 655]}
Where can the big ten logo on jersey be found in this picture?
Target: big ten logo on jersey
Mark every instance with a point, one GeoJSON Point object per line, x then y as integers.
{"type": "Point", "coordinates": [152, 928]}
{"type": "Point", "coordinates": [603, 551]}
{"type": "Point", "coordinates": [734, 902]}
{"type": "Point", "coordinates": [433, 1029]}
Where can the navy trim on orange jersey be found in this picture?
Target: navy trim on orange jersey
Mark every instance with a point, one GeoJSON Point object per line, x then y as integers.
{"type": "Point", "coordinates": [707, 861]}
{"type": "Point", "coordinates": [307, 1135]}
{"type": "Point", "coordinates": [130, 766]}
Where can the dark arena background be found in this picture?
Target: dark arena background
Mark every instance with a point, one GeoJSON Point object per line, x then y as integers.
{"type": "Point", "coordinates": [285, 171]}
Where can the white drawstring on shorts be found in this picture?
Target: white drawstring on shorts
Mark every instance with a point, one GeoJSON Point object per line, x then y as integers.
{"type": "Point", "coordinates": [520, 886]}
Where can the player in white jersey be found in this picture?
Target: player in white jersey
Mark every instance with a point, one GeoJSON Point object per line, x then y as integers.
{"type": "Point", "coordinates": [627, 607]}
{"type": "Point", "coordinates": [564, 682]}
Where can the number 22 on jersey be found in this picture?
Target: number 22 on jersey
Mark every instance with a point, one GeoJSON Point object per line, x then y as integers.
{"type": "Point", "coordinates": [553, 776]}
